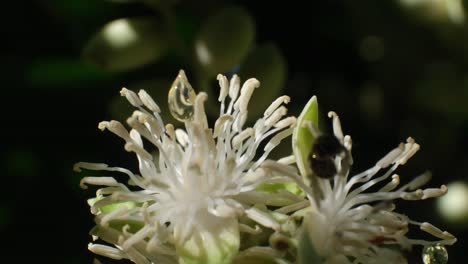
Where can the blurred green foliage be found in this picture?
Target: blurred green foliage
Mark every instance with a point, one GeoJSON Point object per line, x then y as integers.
{"type": "Point", "coordinates": [125, 44]}
{"type": "Point", "coordinates": [223, 41]}
{"type": "Point", "coordinates": [389, 68]}
{"type": "Point", "coordinates": [60, 73]}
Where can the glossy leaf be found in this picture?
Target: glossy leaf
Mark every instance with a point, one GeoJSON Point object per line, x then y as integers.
{"type": "Point", "coordinates": [128, 43]}
{"type": "Point", "coordinates": [224, 40]}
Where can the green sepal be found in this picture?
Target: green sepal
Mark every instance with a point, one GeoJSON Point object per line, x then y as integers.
{"type": "Point", "coordinates": [302, 138]}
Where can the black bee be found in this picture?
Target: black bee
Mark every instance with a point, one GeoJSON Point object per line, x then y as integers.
{"type": "Point", "coordinates": [322, 156]}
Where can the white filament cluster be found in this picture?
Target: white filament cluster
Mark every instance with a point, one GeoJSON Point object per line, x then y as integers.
{"type": "Point", "coordinates": [349, 225]}
{"type": "Point", "coordinates": [201, 179]}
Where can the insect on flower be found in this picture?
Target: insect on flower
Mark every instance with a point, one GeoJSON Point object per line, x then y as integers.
{"type": "Point", "coordinates": [352, 217]}
{"type": "Point", "coordinates": [322, 157]}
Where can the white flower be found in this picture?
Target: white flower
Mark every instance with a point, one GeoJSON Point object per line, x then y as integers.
{"type": "Point", "coordinates": [188, 199]}
{"type": "Point", "coordinates": [345, 223]}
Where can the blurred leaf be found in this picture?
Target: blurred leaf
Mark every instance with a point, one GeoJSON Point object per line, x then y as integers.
{"type": "Point", "coordinates": [64, 73]}
{"type": "Point", "coordinates": [302, 139]}
{"type": "Point", "coordinates": [186, 24]}
{"type": "Point", "coordinates": [446, 11]}
{"type": "Point", "coordinates": [224, 39]}
{"type": "Point", "coordinates": [267, 64]}
{"type": "Point", "coordinates": [128, 43]}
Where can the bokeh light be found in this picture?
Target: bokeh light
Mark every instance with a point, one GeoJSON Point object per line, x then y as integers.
{"type": "Point", "coordinates": [454, 205]}
{"type": "Point", "coordinates": [441, 10]}
{"type": "Point", "coordinates": [120, 33]}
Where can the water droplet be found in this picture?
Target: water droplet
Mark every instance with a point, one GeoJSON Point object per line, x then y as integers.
{"type": "Point", "coordinates": [181, 98]}
{"type": "Point", "coordinates": [436, 254]}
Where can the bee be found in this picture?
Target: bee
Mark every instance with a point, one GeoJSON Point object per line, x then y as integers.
{"type": "Point", "coordinates": [322, 156]}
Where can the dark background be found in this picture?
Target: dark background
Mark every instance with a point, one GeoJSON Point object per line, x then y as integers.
{"type": "Point", "coordinates": [388, 70]}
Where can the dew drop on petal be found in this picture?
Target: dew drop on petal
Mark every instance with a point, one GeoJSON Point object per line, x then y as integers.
{"type": "Point", "coordinates": [435, 254]}
{"type": "Point", "coordinates": [181, 98]}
